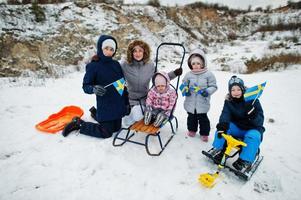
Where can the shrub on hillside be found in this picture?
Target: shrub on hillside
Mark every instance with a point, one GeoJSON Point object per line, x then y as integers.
{"type": "Point", "coordinates": [216, 6]}
{"type": "Point", "coordinates": [258, 9]}
{"type": "Point", "coordinates": [279, 27]}
{"type": "Point", "coordinates": [272, 63]}
{"type": "Point", "coordinates": [232, 36]}
{"type": "Point", "coordinates": [155, 3]}
{"type": "Point", "coordinates": [38, 12]}
{"type": "Point", "coordinates": [294, 5]}
{"type": "Point", "coordinates": [35, 1]}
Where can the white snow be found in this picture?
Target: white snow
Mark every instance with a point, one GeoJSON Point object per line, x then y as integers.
{"type": "Point", "coordinates": [36, 165]}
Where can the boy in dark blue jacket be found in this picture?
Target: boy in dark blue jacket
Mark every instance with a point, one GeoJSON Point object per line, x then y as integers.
{"type": "Point", "coordinates": [242, 120]}
{"type": "Point", "coordinates": [111, 106]}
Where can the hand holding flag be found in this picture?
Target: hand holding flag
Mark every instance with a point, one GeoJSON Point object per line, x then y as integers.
{"type": "Point", "coordinates": [184, 87]}
{"type": "Point", "coordinates": [119, 85]}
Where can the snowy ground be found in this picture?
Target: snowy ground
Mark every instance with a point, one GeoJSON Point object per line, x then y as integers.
{"type": "Point", "coordinates": [35, 165]}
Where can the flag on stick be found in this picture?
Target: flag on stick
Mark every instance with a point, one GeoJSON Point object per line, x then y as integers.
{"type": "Point", "coordinates": [184, 89]}
{"type": "Point", "coordinates": [119, 85]}
{"type": "Point", "coordinates": [254, 92]}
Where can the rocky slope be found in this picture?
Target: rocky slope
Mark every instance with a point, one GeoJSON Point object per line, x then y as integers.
{"type": "Point", "coordinates": [48, 39]}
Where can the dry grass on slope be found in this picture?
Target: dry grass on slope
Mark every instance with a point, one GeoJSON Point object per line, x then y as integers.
{"type": "Point", "coordinates": [275, 62]}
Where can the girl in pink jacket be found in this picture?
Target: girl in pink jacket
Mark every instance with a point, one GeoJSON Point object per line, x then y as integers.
{"type": "Point", "coordinates": [160, 100]}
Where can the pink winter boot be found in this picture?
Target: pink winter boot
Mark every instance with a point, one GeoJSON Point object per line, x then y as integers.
{"type": "Point", "coordinates": [204, 138]}
{"type": "Point", "coordinates": [191, 133]}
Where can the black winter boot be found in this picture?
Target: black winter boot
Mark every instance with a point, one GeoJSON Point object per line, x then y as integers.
{"type": "Point", "coordinates": [240, 164]}
{"type": "Point", "coordinates": [218, 157]}
{"type": "Point", "coordinates": [93, 112]}
{"type": "Point", "coordinates": [75, 124]}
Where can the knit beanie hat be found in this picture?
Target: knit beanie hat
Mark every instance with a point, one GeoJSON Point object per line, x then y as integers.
{"type": "Point", "coordinates": [108, 43]}
{"type": "Point", "coordinates": [160, 80]}
{"type": "Point", "coordinates": [234, 80]}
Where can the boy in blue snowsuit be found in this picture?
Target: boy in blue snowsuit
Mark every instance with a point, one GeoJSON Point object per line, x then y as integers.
{"type": "Point", "coordinates": [242, 120]}
{"type": "Point", "coordinates": [111, 106]}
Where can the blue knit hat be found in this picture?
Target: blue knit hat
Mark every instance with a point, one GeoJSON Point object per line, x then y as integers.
{"type": "Point", "coordinates": [234, 80]}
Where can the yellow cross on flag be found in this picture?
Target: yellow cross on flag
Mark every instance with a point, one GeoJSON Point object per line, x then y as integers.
{"type": "Point", "coordinates": [119, 85]}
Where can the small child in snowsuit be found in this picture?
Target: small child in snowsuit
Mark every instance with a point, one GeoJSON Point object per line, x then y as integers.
{"type": "Point", "coordinates": [160, 101]}
{"type": "Point", "coordinates": [241, 119]}
{"type": "Point", "coordinates": [98, 79]}
{"type": "Point", "coordinates": [201, 84]}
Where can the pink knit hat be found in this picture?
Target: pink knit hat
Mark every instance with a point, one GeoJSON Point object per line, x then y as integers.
{"type": "Point", "coordinates": [160, 80]}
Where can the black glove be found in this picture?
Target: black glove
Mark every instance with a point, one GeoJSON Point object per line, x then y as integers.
{"type": "Point", "coordinates": [222, 127]}
{"type": "Point", "coordinates": [178, 71]}
{"type": "Point", "coordinates": [99, 90]}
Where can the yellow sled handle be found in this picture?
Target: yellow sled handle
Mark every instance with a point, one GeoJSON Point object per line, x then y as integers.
{"type": "Point", "coordinates": [209, 180]}
{"type": "Point", "coordinates": [232, 143]}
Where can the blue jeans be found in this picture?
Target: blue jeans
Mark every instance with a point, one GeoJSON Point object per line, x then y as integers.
{"type": "Point", "coordinates": [251, 137]}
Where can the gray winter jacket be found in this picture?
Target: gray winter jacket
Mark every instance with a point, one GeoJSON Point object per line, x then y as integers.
{"type": "Point", "coordinates": [197, 102]}
{"type": "Point", "coordinates": [138, 76]}
{"type": "Point", "coordinates": [205, 80]}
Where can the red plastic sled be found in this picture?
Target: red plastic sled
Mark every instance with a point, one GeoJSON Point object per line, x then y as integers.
{"type": "Point", "coordinates": [57, 121]}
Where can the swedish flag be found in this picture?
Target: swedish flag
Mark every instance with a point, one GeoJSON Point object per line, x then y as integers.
{"type": "Point", "coordinates": [195, 89]}
{"type": "Point", "coordinates": [254, 92]}
{"type": "Point", "coordinates": [119, 85]}
{"type": "Point", "coordinates": [184, 89]}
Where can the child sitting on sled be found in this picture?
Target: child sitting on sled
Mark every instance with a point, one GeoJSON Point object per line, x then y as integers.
{"type": "Point", "coordinates": [241, 119]}
{"type": "Point", "coordinates": [160, 101]}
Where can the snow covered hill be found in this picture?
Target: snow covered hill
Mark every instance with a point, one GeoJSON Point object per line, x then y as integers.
{"type": "Point", "coordinates": [51, 40]}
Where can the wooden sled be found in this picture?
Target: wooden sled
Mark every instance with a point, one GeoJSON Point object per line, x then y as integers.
{"type": "Point", "coordinates": [58, 121]}
{"type": "Point", "coordinates": [149, 130]}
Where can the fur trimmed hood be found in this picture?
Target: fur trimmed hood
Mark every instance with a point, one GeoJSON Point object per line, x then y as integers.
{"type": "Point", "coordinates": [142, 44]}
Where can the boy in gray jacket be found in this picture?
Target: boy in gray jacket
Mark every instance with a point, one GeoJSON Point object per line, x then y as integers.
{"type": "Point", "coordinates": [201, 85]}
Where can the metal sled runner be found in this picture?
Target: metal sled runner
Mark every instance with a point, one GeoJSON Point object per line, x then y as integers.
{"type": "Point", "coordinates": [148, 130]}
{"type": "Point", "coordinates": [151, 132]}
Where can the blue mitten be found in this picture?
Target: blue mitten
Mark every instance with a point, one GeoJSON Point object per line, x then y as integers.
{"type": "Point", "coordinates": [204, 93]}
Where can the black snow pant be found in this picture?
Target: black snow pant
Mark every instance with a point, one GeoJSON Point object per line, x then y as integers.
{"type": "Point", "coordinates": [102, 129]}
{"type": "Point", "coordinates": [202, 119]}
